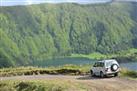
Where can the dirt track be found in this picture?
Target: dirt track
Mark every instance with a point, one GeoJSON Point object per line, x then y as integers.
{"type": "Point", "coordinates": [93, 83]}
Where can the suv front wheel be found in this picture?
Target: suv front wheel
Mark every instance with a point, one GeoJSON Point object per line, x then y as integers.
{"type": "Point", "coordinates": [101, 74]}
{"type": "Point", "coordinates": [91, 72]}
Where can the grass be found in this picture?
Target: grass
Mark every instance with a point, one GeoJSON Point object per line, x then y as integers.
{"type": "Point", "coordinates": [65, 70]}
{"type": "Point", "coordinates": [40, 85]}
{"type": "Point", "coordinates": [90, 56]}
{"type": "Point", "coordinates": [131, 53]}
{"type": "Point", "coordinates": [128, 73]}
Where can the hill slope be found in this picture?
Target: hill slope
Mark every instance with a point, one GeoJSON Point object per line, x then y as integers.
{"type": "Point", "coordinates": [39, 32]}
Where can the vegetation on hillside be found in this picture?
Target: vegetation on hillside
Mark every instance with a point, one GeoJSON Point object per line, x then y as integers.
{"type": "Point", "coordinates": [39, 32]}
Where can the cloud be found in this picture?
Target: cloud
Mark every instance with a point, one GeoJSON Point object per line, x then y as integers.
{"type": "Point", "coordinates": [29, 2]}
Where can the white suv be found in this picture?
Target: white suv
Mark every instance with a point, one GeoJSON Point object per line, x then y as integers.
{"type": "Point", "coordinates": [105, 67]}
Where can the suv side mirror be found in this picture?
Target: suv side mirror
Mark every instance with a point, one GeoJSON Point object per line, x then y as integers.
{"type": "Point", "coordinates": [95, 65]}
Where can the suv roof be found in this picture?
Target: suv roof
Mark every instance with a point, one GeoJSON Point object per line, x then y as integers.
{"type": "Point", "coordinates": [108, 60]}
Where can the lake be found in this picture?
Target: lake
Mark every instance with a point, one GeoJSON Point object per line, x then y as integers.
{"type": "Point", "coordinates": [79, 61]}
{"type": "Point", "coordinates": [130, 65]}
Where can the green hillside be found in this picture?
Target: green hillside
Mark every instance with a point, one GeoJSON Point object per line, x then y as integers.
{"type": "Point", "coordinates": [39, 32]}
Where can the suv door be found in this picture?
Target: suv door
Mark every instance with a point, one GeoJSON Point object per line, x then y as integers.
{"type": "Point", "coordinates": [101, 67]}
{"type": "Point", "coordinates": [98, 68]}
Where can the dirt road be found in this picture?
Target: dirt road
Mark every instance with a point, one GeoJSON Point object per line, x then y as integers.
{"type": "Point", "coordinates": [93, 83]}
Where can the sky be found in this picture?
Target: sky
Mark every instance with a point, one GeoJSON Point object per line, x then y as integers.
{"type": "Point", "coordinates": [28, 2]}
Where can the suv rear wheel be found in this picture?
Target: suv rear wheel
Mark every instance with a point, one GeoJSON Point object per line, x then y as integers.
{"type": "Point", "coordinates": [116, 74]}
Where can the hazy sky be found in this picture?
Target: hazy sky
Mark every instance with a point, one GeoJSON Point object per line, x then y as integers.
{"type": "Point", "coordinates": [26, 2]}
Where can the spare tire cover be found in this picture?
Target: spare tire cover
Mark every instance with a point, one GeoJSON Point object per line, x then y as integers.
{"type": "Point", "coordinates": [114, 67]}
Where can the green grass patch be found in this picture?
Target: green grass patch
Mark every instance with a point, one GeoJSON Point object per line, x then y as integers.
{"type": "Point", "coordinates": [90, 56]}
{"type": "Point", "coordinates": [66, 70]}
{"type": "Point", "coordinates": [41, 85]}
{"type": "Point", "coordinates": [126, 54]}
{"type": "Point", "coordinates": [128, 73]}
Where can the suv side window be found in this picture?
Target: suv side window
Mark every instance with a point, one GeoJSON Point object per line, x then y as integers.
{"type": "Point", "coordinates": [101, 64]}
{"type": "Point", "coordinates": [98, 64]}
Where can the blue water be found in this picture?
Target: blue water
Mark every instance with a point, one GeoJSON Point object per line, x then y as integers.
{"type": "Point", "coordinates": [130, 65]}
{"type": "Point", "coordinates": [64, 61]}
{"type": "Point", "coordinates": [79, 61]}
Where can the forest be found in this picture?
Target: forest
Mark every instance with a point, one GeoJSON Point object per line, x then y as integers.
{"type": "Point", "coordinates": [45, 31]}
